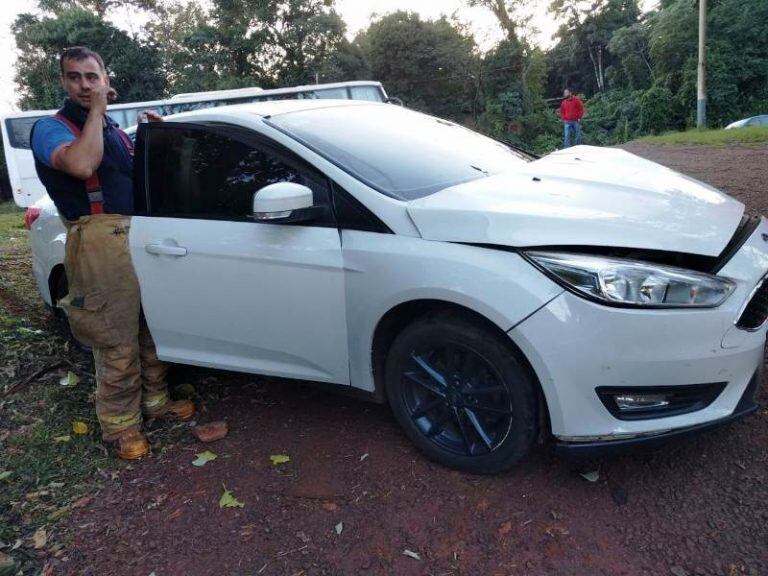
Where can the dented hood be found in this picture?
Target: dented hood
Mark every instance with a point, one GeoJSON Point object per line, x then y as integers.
{"type": "Point", "coordinates": [583, 196]}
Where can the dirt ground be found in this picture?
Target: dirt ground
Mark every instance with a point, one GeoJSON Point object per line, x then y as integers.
{"type": "Point", "coordinates": [356, 498]}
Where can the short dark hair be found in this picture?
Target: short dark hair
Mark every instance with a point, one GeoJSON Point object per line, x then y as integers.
{"type": "Point", "coordinates": [79, 53]}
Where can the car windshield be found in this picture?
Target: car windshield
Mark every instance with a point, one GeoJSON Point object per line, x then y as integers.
{"type": "Point", "coordinates": [400, 153]}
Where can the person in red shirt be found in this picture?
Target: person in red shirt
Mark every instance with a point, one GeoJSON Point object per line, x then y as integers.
{"type": "Point", "coordinates": [571, 113]}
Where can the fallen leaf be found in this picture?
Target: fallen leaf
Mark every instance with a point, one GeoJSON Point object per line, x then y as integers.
{"type": "Point", "coordinates": [70, 379]}
{"type": "Point", "coordinates": [39, 538]}
{"type": "Point", "coordinates": [678, 571]}
{"type": "Point", "coordinates": [79, 427]}
{"type": "Point", "coordinates": [203, 458]}
{"type": "Point", "coordinates": [66, 438]}
{"type": "Point", "coordinates": [339, 528]}
{"type": "Point", "coordinates": [364, 456]}
{"type": "Point", "coordinates": [229, 501]}
{"type": "Point", "coordinates": [6, 474]}
{"type": "Point", "coordinates": [505, 528]}
{"type": "Point", "coordinates": [411, 554]}
{"type": "Point", "coordinates": [278, 459]}
{"type": "Point", "coordinates": [211, 432]}
{"type": "Point", "coordinates": [593, 476]}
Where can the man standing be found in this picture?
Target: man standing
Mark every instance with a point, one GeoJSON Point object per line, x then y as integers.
{"type": "Point", "coordinates": [85, 163]}
{"type": "Point", "coordinates": [571, 113]}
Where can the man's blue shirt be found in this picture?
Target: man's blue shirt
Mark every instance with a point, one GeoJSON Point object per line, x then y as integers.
{"type": "Point", "coordinates": [49, 134]}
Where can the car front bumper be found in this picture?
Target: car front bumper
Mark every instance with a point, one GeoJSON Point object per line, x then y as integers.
{"type": "Point", "coordinates": [597, 448]}
{"type": "Point", "coordinates": [576, 346]}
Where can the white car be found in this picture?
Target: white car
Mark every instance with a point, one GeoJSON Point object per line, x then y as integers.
{"type": "Point", "coordinates": [490, 297]}
{"type": "Point", "coordinates": [761, 120]}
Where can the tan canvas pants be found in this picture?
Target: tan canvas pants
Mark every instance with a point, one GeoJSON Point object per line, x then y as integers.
{"type": "Point", "coordinates": [104, 308]}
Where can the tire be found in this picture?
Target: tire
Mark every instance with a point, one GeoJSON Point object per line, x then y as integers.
{"type": "Point", "coordinates": [461, 394]}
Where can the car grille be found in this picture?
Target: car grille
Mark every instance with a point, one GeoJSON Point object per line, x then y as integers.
{"type": "Point", "coordinates": [756, 311]}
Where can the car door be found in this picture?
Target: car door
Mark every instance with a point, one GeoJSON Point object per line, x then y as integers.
{"type": "Point", "coordinates": [218, 288]}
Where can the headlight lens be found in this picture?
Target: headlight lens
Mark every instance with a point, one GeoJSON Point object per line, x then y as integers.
{"type": "Point", "coordinates": [633, 283]}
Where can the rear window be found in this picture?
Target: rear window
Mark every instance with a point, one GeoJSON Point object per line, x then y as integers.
{"type": "Point", "coordinates": [401, 153]}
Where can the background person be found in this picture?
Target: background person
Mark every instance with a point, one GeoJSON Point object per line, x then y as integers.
{"type": "Point", "coordinates": [571, 113]}
{"type": "Point", "coordinates": [86, 164]}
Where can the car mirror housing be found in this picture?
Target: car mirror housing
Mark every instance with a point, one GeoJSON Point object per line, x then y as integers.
{"type": "Point", "coordinates": [281, 201]}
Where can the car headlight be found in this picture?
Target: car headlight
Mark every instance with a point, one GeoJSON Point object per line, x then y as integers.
{"type": "Point", "coordinates": [633, 283]}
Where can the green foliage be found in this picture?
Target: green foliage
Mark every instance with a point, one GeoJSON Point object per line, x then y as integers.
{"type": "Point", "coordinates": [658, 110]}
{"type": "Point", "coordinates": [134, 67]}
{"type": "Point", "coordinates": [612, 117]}
{"type": "Point", "coordinates": [582, 57]}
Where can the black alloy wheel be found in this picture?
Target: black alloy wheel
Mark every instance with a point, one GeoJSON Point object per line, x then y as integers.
{"type": "Point", "coordinates": [461, 394]}
{"type": "Point", "coordinates": [457, 398]}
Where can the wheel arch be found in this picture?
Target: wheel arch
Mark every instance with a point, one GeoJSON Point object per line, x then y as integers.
{"type": "Point", "coordinates": [399, 317]}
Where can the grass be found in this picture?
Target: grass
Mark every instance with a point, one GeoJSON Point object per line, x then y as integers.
{"type": "Point", "coordinates": [46, 471]}
{"type": "Point", "coordinates": [750, 135]}
{"type": "Point", "coordinates": [42, 473]}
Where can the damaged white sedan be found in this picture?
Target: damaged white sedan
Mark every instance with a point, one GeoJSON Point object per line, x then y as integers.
{"type": "Point", "coordinates": [490, 297]}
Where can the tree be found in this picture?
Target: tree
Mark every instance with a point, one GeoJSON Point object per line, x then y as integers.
{"type": "Point", "coordinates": [430, 64]}
{"type": "Point", "coordinates": [250, 42]}
{"type": "Point", "coordinates": [133, 66]}
{"type": "Point", "coordinates": [507, 12]}
{"type": "Point", "coordinates": [632, 68]}
{"type": "Point", "coordinates": [100, 7]}
{"type": "Point", "coordinates": [582, 51]}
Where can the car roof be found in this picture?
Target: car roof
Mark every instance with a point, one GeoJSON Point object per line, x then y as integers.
{"type": "Point", "coordinates": [273, 108]}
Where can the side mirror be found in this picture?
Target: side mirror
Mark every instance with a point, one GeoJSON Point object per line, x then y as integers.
{"type": "Point", "coordinates": [394, 100]}
{"type": "Point", "coordinates": [281, 200]}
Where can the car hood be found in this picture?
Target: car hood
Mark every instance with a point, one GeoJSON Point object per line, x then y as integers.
{"type": "Point", "coordinates": [583, 196]}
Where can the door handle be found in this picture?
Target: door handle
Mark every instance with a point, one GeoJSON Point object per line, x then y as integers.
{"type": "Point", "coordinates": [165, 250]}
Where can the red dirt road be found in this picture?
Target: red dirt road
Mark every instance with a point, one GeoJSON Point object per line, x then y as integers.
{"type": "Point", "coordinates": [697, 507]}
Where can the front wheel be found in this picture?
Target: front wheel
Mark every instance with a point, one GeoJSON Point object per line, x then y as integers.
{"type": "Point", "coordinates": [460, 394]}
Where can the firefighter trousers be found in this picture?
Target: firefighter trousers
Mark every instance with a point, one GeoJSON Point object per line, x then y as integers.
{"type": "Point", "coordinates": [104, 311]}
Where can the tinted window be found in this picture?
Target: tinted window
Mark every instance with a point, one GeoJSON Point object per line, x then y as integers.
{"type": "Point", "coordinates": [399, 152]}
{"type": "Point", "coordinates": [198, 173]}
{"type": "Point", "coordinates": [19, 130]}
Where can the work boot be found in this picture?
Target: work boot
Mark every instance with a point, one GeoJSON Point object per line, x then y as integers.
{"type": "Point", "coordinates": [175, 410]}
{"type": "Point", "coordinates": [132, 445]}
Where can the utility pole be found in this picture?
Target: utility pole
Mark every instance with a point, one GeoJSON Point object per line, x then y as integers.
{"type": "Point", "coordinates": [701, 88]}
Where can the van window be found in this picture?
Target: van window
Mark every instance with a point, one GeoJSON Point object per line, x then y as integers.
{"type": "Point", "coordinates": [369, 93]}
{"type": "Point", "coordinates": [19, 130]}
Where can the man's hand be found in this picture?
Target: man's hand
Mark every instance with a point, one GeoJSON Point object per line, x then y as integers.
{"type": "Point", "coordinates": [100, 97]}
{"type": "Point", "coordinates": [153, 116]}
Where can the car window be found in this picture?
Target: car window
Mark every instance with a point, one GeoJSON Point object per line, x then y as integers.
{"type": "Point", "coordinates": [199, 173]}
{"type": "Point", "coordinates": [400, 153]}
